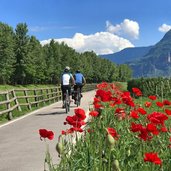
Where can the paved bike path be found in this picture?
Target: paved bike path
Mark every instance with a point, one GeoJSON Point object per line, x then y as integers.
{"type": "Point", "coordinates": [20, 146]}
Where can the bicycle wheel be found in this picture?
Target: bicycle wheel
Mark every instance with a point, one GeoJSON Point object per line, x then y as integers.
{"type": "Point", "coordinates": [67, 99]}
{"type": "Point", "coordinates": [78, 97]}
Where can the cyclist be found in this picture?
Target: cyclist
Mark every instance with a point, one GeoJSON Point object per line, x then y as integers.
{"type": "Point", "coordinates": [80, 81]}
{"type": "Point", "coordinates": [67, 80]}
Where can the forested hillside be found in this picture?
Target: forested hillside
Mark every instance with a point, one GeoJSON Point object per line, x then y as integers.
{"type": "Point", "coordinates": [23, 60]}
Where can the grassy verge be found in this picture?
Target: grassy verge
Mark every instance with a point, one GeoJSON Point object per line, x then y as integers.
{"type": "Point", "coordinates": [25, 110]}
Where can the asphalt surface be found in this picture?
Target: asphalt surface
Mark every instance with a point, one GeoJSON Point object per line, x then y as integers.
{"type": "Point", "coordinates": [20, 146]}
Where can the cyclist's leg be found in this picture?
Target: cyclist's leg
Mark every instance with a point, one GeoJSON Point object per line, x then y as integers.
{"type": "Point", "coordinates": [63, 94]}
{"type": "Point", "coordinates": [69, 92]}
{"type": "Point", "coordinates": [81, 86]}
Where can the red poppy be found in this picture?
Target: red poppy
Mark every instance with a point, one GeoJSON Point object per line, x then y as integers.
{"type": "Point", "coordinates": [94, 113]}
{"type": "Point", "coordinates": [137, 91]}
{"type": "Point", "coordinates": [152, 97]}
{"type": "Point", "coordinates": [46, 134]}
{"type": "Point", "coordinates": [141, 110]}
{"type": "Point", "coordinates": [157, 118]}
{"type": "Point", "coordinates": [113, 133]}
{"type": "Point", "coordinates": [168, 112]}
{"type": "Point", "coordinates": [134, 114]}
{"type": "Point", "coordinates": [136, 127]}
{"type": "Point", "coordinates": [159, 104]}
{"type": "Point", "coordinates": [105, 96]}
{"type": "Point", "coordinates": [152, 157]}
{"type": "Point", "coordinates": [166, 102]}
{"type": "Point", "coordinates": [152, 128]}
{"type": "Point", "coordinates": [148, 104]}
{"type": "Point", "coordinates": [80, 113]}
{"type": "Point", "coordinates": [126, 99]}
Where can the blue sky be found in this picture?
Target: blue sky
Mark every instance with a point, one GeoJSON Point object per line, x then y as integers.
{"type": "Point", "coordinates": [105, 26]}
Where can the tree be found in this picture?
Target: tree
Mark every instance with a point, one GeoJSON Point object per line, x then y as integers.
{"type": "Point", "coordinates": [21, 52]}
{"type": "Point", "coordinates": [7, 58]}
{"type": "Point", "coordinates": [125, 73]}
{"type": "Point", "coordinates": [35, 63]}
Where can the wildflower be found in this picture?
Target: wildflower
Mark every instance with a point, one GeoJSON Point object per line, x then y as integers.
{"type": "Point", "coordinates": [152, 157]}
{"type": "Point", "coordinates": [141, 110]}
{"type": "Point", "coordinates": [134, 114]}
{"type": "Point", "coordinates": [137, 91]}
{"type": "Point", "coordinates": [166, 102]}
{"type": "Point", "coordinates": [159, 104]}
{"type": "Point", "coordinates": [152, 97]}
{"type": "Point", "coordinates": [94, 113]}
{"type": "Point", "coordinates": [80, 113]}
{"type": "Point", "coordinates": [168, 112]}
{"type": "Point", "coordinates": [148, 104]}
{"type": "Point", "coordinates": [46, 134]}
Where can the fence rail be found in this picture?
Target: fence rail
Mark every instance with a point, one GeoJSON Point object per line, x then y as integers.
{"type": "Point", "coordinates": [18, 98]}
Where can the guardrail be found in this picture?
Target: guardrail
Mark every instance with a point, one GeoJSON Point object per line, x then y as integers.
{"type": "Point", "coordinates": [19, 98]}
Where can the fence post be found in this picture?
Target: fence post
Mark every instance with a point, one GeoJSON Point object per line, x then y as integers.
{"type": "Point", "coordinates": [16, 100]}
{"type": "Point", "coordinates": [43, 98]}
{"type": "Point", "coordinates": [36, 99]}
{"type": "Point", "coordinates": [8, 106]}
{"type": "Point", "coordinates": [47, 92]}
{"type": "Point", "coordinates": [27, 99]}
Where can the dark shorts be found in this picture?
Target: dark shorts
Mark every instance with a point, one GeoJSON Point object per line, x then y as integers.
{"type": "Point", "coordinates": [64, 88]}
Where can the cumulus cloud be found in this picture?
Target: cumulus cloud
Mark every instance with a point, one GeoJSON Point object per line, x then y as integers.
{"type": "Point", "coordinates": [100, 42]}
{"type": "Point", "coordinates": [164, 28]}
{"type": "Point", "coordinates": [128, 29]}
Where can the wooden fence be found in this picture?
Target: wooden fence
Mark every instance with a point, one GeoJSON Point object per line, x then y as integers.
{"type": "Point", "coordinates": [19, 98]}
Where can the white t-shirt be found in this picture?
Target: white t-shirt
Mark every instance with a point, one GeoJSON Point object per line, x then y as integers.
{"type": "Point", "coordinates": [66, 79]}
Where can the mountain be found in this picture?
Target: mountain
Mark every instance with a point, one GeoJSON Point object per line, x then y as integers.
{"type": "Point", "coordinates": [127, 54]}
{"type": "Point", "coordinates": [157, 62]}
{"type": "Point", "coordinates": [152, 61]}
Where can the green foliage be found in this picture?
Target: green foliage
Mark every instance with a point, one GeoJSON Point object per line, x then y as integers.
{"type": "Point", "coordinates": [25, 61]}
{"type": "Point", "coordinates": [152, 86]}
{"type": "Point", "coordinates": [7, 57]}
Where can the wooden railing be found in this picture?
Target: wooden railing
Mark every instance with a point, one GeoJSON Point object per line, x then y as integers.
{"type": "Point", "coordinates": [19, 98]}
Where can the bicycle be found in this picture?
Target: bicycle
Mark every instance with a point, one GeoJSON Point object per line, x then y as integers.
{"type": "Point", "coordinates": [78, 97]}
{"type": "Point", "coordinates": [67, 101]}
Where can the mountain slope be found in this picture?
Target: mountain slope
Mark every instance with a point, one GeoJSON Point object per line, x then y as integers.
{"type": "Point", "coordinates": [156, 61]}
{"type": "Point", "coordinates": [127, 54]}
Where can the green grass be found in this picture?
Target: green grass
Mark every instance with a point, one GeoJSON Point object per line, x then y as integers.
{"type": "Point", "coordinates": [25, 110]}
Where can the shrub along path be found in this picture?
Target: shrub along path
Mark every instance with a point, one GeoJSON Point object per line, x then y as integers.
{"type": "Point", "coordinates": [20, 146]}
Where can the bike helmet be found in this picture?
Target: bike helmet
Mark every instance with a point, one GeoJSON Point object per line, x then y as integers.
{"type": "Point", "coordinates": [78, 71]}
{"type": "Point", "coordinates": [67, 68]}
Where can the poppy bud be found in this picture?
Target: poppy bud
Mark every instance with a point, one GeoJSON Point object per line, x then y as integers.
{"type": "Point", "coordinates": [115, 165]}
{"type": "Point", "coordinates": [110, 140]}
{"type": "Point", "coordinates": [129, 152]}
{"type": "Point", "coordinates": [59, 148]}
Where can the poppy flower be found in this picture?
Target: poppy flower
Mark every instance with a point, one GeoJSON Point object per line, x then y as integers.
{"type": "Point", "coordinates": [137, 91]}
{"type": "Point", "coordinates": [168, 112]}
{"type": "Point", "coordinates": [80, 113]}
{"type": "Point", "coordinates": [152, 97]}
{"type": "Point", "coordinates": [159, 104]}
{"type": "Point", "coordinates": [141, 110]}
{"type": "Point", "coordinates": [46, 134]}
{"type": "Point", "coordinates": [134, 114]}
{"type": "Point", "coordinates": [94, 113]}
{"type": "Point", "coordinates": [148, 104]}
{"type": "Point", "coordinates": [152, 157]}
{"type": "Point", "coordinates": [113, 133]}
{"type": "Point", "coordinates": [166, 102]}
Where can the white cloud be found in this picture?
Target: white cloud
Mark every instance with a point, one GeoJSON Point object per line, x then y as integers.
{"type": "Point", "coordinates": [127, 29]}
{"type": "Point", "coordinates": [100, 42]}
{"type": "Point", "coordinates": [164, 28]}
